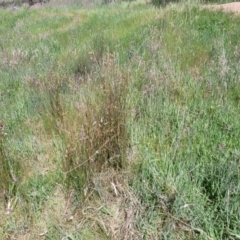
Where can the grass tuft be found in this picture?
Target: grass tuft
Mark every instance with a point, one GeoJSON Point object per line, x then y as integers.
{"type": "Point", "coordinates": [100, 140]}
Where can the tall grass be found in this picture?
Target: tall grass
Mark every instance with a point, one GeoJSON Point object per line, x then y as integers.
{"type": "Point", "coordinates": [121, 123]}
{"type": "Point", "coordinates": [99, 139]}
{"type": "Point", "coordinates": [183, 137]}
{"type": "Point", "coordinates": [5, 172]}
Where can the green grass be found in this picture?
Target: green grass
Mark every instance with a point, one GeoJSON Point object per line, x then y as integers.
{"type": "Point", "coordinates": [119, 122]}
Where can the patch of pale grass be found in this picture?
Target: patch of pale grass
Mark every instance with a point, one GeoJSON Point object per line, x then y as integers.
{"type": "Point", "coordinates": [55, 210]}
{"type": "Point", "coordinates": [112, 206]}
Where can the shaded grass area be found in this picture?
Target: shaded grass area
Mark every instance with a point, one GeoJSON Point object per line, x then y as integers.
{"type": "Point", "coordinates": [119, 123]}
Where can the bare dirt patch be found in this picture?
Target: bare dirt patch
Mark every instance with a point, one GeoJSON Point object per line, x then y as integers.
{"type": "Point", "coordinates": [233, 7]}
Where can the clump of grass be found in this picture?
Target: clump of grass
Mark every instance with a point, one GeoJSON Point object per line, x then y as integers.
{"type": "Point", "coordinates": [4, 174]}
{"type": "Point", "coordinates": [51, 111]}
{"type": "Point", "coordinates": [9, 168]}
{"type": "Point", "coordinates": [159, 3]}
{"type": "Point", "coordinates": [93, 129]}
{"type": "Point", "coordinates": [99, 137]}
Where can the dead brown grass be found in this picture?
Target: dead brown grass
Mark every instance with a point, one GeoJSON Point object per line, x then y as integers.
{"type": "Point", "coordinates": [111, 205]}
{"type": "Point", "coordinates": [96, 133]}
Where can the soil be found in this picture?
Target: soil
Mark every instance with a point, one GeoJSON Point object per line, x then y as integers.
{"type": "Point", "coordinates": [233, 7]}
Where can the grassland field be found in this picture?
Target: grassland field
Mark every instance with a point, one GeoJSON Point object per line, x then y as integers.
{"type": "Point", "coordinates": [119, 121]}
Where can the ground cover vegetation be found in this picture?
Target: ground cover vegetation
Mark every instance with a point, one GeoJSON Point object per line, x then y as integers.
{"type": "Point", "coordinates": [119, 122]}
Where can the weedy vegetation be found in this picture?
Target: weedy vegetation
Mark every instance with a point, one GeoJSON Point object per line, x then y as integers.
{"type": "Point", "coordinates": [119, 121]}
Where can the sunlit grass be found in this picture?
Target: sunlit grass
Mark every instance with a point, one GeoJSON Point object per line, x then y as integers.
{"type": "Point", "coordinates": [119, 121]}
